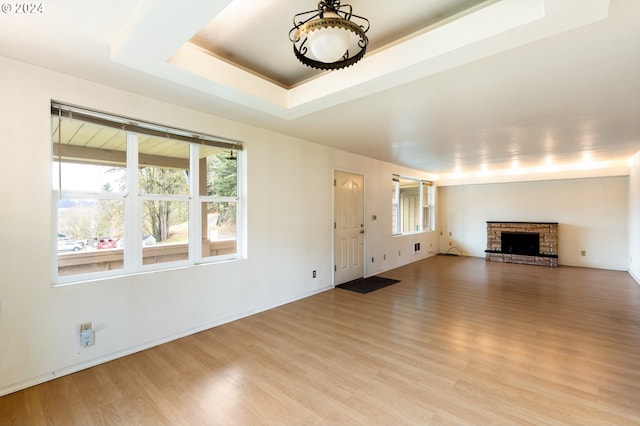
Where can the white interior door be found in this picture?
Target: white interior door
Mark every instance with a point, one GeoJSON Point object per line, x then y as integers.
{"type": "Point", "coordinates": [348, 227]}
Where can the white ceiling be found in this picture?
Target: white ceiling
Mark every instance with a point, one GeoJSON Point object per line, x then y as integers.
{"type": "Point", "coordinates": [532, 82]}
{"type": "Point", "coordinates": [226, 35]}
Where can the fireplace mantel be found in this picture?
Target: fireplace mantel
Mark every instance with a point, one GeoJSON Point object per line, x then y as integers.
{"type": "Point", "coordinates": [547, 254]}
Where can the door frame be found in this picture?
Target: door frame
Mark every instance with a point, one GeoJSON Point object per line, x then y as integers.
{"type": "Point", "coordinates": [333, 220]}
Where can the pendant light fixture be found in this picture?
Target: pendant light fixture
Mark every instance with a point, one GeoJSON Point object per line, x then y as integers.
{"type": "Point", "coordinates": [329, 38]}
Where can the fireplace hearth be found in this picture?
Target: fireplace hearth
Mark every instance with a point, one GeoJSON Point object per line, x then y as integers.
{"type": "Point", "coordinates": [533, 243]}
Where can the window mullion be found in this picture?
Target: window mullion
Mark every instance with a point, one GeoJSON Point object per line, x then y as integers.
{"type": "Point", "coordinates": [160, 197]}
{"type": "Point", "coordinates": [92, 195]}
{"type": "Point", "coordinates": [133, 207]}
{"type": "Point", "coordinates": [421, 207]}
{"type": "Point", "coordinates": [195, 214]}
{"type": "Point", "coordinates": [240, 205]}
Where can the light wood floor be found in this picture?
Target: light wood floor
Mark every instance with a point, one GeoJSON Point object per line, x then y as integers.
{"type": "Point", "coordinates": [457, 341]}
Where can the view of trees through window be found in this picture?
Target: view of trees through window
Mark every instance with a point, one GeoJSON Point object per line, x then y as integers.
{"type": "Point", "coordinates": [84, 220]}
{"type": "Point", "coordinates": [222, 181]}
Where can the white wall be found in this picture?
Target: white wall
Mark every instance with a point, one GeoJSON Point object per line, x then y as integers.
{"type": "Point", "coordinates": [634, 217]}
{"type": "Point", "coordinates": [289, 235]}
{"type": "Point", "coordinates": [592, 216]}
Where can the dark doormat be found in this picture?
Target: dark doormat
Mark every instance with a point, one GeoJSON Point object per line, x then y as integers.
{"type": "Point", "coordinates": [367, 285]}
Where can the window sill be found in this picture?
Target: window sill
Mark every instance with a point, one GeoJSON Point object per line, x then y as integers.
{"type": "Point", "coordinates": [99, 277]}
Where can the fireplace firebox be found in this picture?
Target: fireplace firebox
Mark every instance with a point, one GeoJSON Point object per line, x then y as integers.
{"type": "Point", "coordinates": [520, 243]}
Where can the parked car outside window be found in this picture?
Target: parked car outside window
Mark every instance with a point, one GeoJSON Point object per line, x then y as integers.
{"type": "Point", "coordinates": [107, 243]}
{"type": "Point", "coordinates": [67, 244]}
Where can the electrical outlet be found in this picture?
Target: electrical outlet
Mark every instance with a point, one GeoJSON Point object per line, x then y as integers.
{"type": "Point", "coordinates": [384, 257]}
{"type": "Point", "coordinates": [372, 260]}
{"type": "Point", "coordinates": [87, 338]}
{"type": "Point", "coordinates": [87, 335]}
{"type": "Point", "coordinates": [314, 274]}
{"type": "Point", "coordinates": [583, 252]}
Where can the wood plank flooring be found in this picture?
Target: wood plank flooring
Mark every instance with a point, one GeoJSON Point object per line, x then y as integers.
{"type": "Point", "coordinates": [458, 341]}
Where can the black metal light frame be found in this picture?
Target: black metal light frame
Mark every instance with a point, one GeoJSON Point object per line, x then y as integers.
{"type": "Point", "coordinates": [314, 20]}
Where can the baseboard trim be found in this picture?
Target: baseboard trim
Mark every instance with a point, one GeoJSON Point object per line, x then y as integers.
{"type": "Point", "coordinates": [61, 372]}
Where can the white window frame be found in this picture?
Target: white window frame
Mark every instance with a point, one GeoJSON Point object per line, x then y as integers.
{"type": "Point", "coordinates": [425, 208]}
{"type": "Point", "coordinates": [428, 206]}
{"type": "Point", "coordinates": [133, 208]}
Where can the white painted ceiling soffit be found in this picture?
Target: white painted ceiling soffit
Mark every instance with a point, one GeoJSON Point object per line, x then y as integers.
{"type": "Point", "coordinates": [478, 32]}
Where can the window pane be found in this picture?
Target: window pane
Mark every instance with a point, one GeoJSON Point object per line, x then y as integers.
{"type": "Point", "coordinates": [88, 157]}
{"type": "Point", "coordinates": [89, 177]}
{"type": "Point", "coordinates": [427, 197]}
{"type": "Point", "coordinates": [409, 205]}
{"type": "Point", "coordinates": [221, 168]}
{"type": "Point", "coordinates": [164, 166]}
{"type": "Point", "coordinates": [426, 218]}
{"type": "Point", "coordinates": [394, 208]}
{"type": "Point", "coordinates": [165, 231]}
{"type": "Point", "coordinates": [88, 236]}
{"type": "Point", "coordinates": [219, 235]}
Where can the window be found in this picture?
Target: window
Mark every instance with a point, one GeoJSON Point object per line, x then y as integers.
{"type": "Point", "coordinates": [412, 205]}
{"type": "Point", "coordinates": [131, 196]}
{"type": "Point", "coordinates": [428, 210]}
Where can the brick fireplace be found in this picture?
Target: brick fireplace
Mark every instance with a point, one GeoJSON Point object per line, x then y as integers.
{"type": "Point", "coordinates": [532, 243]}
